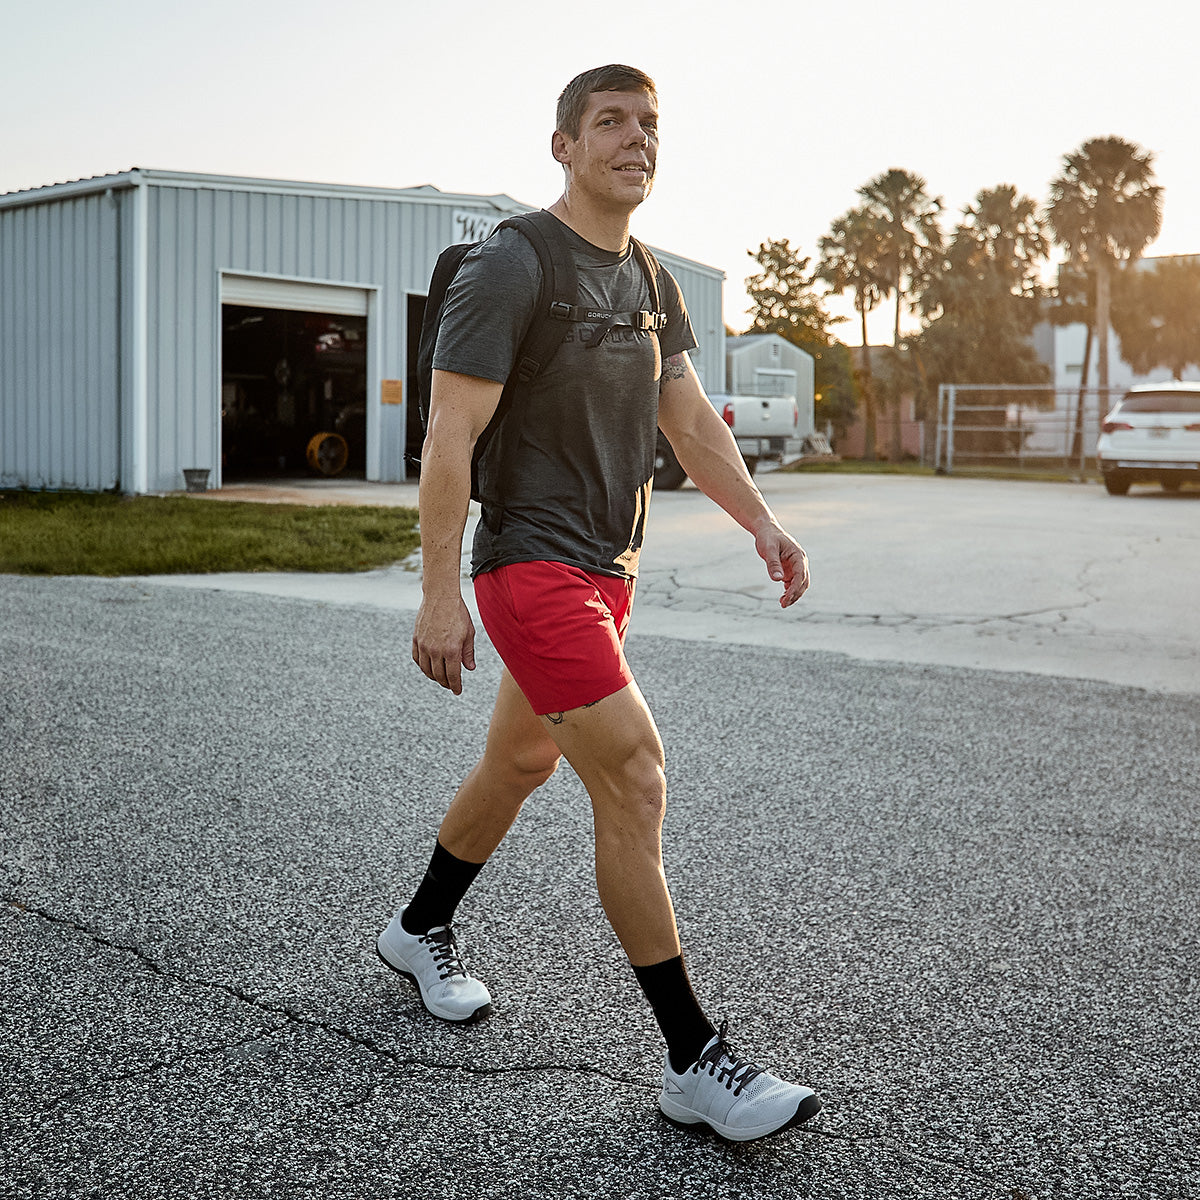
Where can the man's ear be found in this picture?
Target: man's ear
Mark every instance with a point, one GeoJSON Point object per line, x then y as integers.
{"type": "Point", "coordinates": [559, 146]}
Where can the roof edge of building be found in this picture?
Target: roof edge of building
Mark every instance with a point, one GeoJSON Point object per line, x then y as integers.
{"type": "Point", "coordinates": [48, 192]}
{"type": "Point", "coordinates": [424, 193]}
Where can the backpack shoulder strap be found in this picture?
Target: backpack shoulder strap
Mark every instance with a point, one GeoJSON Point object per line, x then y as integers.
{"type": "Point", "coordinates": [559, 294]}
{"type": "Point", "coordinates": [559, 304]}
{"type": "Point", "coordinates": [650, 320]}
{"type": "Point", "coordinates": [651, 268]}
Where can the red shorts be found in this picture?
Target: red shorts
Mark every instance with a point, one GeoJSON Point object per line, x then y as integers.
{"type": "Point", "coordinates": [559, 629]}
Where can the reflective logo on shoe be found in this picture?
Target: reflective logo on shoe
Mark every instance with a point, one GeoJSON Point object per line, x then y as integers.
{"type": "Point", "coordinates": [671, 1087]}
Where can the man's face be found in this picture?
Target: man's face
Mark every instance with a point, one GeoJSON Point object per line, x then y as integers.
{"type": "Point", "coordinates": [613, 159]}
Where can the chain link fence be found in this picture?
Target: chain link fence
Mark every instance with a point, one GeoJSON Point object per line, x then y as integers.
{"type": "Point", "coordinates": [1020, 427]}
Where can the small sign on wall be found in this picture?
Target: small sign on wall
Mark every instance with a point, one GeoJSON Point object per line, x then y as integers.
{"type": "Point", "coordinates": [391, 391]}
{"type": "Point", "coordinates": [472, 225]}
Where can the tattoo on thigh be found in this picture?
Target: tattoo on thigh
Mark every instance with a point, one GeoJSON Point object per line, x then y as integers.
{"type": "Point", "coordinates": [554, 718]}
{"type": "Point", "coordinates": [592, 704]}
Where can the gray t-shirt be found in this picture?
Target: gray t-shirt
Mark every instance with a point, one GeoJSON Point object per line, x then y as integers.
{"type": "Point", "coordinates": [567, 475]}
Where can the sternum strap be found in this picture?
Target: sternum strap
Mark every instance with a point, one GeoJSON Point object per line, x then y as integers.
{"type": "Point", "coordinates": [644, 320]}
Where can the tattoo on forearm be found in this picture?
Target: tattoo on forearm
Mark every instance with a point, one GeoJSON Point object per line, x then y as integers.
{"type": "Point", "coordinates": [674, 368]}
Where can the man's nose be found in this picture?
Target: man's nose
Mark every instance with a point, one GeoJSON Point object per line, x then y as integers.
{"type": "Point", "coordinates": [637, 135]}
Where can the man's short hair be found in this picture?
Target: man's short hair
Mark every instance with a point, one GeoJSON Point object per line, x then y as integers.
{"type": "Point", "coordinates": [613, 78]}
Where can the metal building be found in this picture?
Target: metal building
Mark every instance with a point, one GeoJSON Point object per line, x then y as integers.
{"type": "Point", "coordinates": [153, 322]}
{"type": "Point", "coordinates": [765, 364]}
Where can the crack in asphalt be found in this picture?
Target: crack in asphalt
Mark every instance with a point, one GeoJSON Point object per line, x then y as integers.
{"type": "Point", "coordinates": [669, 594]}
{"type": "Point", "coordinates": [672, 594]}
{"type": "Point", "coordinates": [397, 1062]}
{"type": "Point", "coordinates": [161, 1065]}
{"type": "Point", "coordinates": [1081, 579]}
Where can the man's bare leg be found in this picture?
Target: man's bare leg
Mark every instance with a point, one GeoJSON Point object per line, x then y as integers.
{"type": "Point", "coordinates": [418, 942]}
{"type": "Point", "coordinates": [518, 758]}
{"type": "Point", "coordinates": [614, 747]}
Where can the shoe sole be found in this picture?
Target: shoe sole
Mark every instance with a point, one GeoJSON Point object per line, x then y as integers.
{"type": "Point", "coordinates": [808, 1108]}
{"type": "Point", "coordinates": [484, 1010]}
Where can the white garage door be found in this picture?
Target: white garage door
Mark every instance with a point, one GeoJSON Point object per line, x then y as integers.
{"type": "Point", "coordinates": [294, 294]}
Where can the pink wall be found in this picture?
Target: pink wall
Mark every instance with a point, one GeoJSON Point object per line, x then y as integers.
{"type": "Point", "coordinates": [851, 443]}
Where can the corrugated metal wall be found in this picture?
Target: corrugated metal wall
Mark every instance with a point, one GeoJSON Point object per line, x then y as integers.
{"type": "Point", "coordinates": [61, 342]}
{"type": "Point", "coordinates": [87, 401]}
{"type": "Point", "coordinates": [196, 232]}
{"type": "Point", "coordinates": [701, 287]}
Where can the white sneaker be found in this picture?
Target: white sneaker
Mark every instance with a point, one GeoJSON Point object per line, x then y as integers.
{"type": "Point", "coordinates": [432, 962]}
{"type": "Point", "coordinates": [736, 1098]}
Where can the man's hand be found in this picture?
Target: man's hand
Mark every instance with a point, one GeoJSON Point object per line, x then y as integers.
{"type": "Point", "coordinates": [444, 641]}
{"type": "Point", "coordinates": [444, 638]}
{"type": "Point", "coordinates": [786, 561]}
{"type": "Point", "coordinates": [707, 451]}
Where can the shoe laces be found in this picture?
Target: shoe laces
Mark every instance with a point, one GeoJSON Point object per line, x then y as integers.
{"type": "Point", "coordinates": [720, 1061]}
{"type": "Point", "coordinates": [444, 949]}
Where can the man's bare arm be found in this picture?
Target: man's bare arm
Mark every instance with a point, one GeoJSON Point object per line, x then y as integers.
{"type": "Point", "coordinates": [707, 451]}
{"type": "Point", "coordinates": [444, 635]}
{"type": "Point", "coordinates": [676, 367]}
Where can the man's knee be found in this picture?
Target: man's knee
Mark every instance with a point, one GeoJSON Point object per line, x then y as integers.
{"type": "Point", "coordinates": [528, 766]}
{"type": "Point", "coordinates": [639, 787]}
{"type": "Point", "coordinates": [538, 763]}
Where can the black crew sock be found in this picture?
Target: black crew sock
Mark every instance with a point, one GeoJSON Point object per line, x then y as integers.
{"type": "Point", "coordinates": [677, 1011]}
{"type": "Point", "coordinates": [445, 884]}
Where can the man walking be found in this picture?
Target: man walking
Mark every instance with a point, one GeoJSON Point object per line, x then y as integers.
{"type": "Point", "coordinates": [565, 484]}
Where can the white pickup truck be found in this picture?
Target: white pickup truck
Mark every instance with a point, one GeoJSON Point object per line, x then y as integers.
{"type": "Point", "coordinates": [763, 425]}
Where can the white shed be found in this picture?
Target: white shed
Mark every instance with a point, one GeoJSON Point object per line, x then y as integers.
{"type": "Point", "coordinates": [153, 321]}
{"type": "Point", "coordinates": [765, 364]}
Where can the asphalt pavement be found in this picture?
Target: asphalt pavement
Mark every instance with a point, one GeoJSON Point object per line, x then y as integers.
{"type": "Point", "coordinates": [956, 893]}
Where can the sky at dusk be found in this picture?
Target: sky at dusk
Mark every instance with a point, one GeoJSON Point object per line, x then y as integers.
{"type": "Point", "coordinates": [771, 115]}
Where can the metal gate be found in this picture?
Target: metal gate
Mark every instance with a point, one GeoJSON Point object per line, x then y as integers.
{"type": "Point", "coordinates": [1024, 427]}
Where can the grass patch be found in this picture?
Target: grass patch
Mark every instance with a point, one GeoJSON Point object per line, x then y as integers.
{"type": "Point", "coordinates": [73, 533]}
{"type": "Point", "coordinates": [861, 467]}
{"type": "Point", "coordinates": [1033, 475]}
{"type": "Point", "coordinates": [854, 466]}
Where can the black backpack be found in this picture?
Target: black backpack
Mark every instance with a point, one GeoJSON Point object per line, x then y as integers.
{"type": "Point", "coordinates": [558, 308]}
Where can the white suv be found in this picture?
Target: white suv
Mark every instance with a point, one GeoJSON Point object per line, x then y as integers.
{"type": "Point", "coordinates": [1152, 435]}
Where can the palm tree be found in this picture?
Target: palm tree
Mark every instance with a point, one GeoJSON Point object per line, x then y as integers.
{"type": "Point", "coordinates": [983, 299]}
{"type": "Point", "coordinates": [1104, 210]}
{"type": "Point", "coordinates": [1005, 228]}
{"type": "Point", "coordinates": [908, 215]}
{"type": "Point", "coordinates": [991, 267]}
{"type": "Point", "coordinates": [1156, 314]}
{"type": "Point", "coordinates": [851, 259]}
